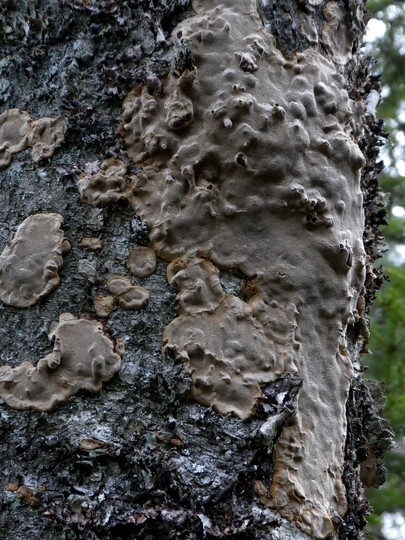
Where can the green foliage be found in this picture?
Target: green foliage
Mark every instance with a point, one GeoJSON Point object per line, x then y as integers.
{"type": "Point", "coordinates": [388, 318]}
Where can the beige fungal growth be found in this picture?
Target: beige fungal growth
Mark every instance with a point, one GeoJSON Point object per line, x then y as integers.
{"type": "Point", "coordinates": [29, 263]}
{"type": "Point", "coordinates": [251, 161]}
{"type": "Point", "coordinates": [93, 244]}
{"type": "Point", "coordinates": [17, 131]}
{"type": "Point", "coordinates": [45, 135]}
{"type": "Point", "coordinates": [107, 185]}
{"type": "Point", "coordinates": [230, 351]}
{"type": "Point", "coordinates": [14, 129]}
{"type": "Point", "coordinates": [103, 305]}
{"type": "Point", "coordinates": [141, 261]}
{"type": "Point", "coordinates": [118, 284]}
{"type": "Point", "coordinates": [134, 298]}
{"type": "Point", "coordinates": [336, 34]}
{"type": "Point", "coordinates": [82, 359]}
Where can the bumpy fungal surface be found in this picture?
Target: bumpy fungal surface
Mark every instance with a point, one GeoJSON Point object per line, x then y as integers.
{"type": "Point", "coordinates": [107, 185]}
{"type": "Point", "coordinates": [29, 263]}
{"type": "Point", "coordinates": [141, 261]}
{"type": "Point", "coordinates": [17, 131]}
{"type": "Point", "coordinates": [45, 135]}
{"type": "Point", "coordinates": [82, 359]}
{"type": "Point", "coordinates": [241, 157]}
{"type": "Point", "coordinates": [14, 128]}
{"type": "Point", "coordinates": [229, 347]}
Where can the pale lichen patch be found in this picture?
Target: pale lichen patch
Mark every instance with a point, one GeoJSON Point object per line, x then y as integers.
{"type": "Point", "coordinates": [29, 263]}
{"type": "Point", "coordinates": [83, 358]}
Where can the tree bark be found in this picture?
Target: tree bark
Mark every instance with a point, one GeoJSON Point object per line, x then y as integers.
{"type": "Point", "coordinates": [262, 194]}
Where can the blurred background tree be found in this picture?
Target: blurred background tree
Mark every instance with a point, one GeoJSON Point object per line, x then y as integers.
{"type": "Point", "coordinates": [386, 42]}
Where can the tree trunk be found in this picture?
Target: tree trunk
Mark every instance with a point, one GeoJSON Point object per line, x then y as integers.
{"type": "Point", "coordinates": [246, 158]}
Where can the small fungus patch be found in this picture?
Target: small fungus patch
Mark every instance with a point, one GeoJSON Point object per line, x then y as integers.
{"type": "Point", "coordinates": [82, 359]}
{"type": "Point", "coordinates": [93, 244]}
{"type": "Point", "coordinates": [29, 263]}
{"type": "Point", "coordinates": [118, 285]}
{"type": "Point", "coordinates": [103, 305]}
{"type": "Point", "coordinates": [18, 130]}
{"type": "Point", "coordinates": [14, 129]}
{"type": "Point", "coordinates": [131, 297]}
{"type": "Point", "coordinates": [141, 261]}
{"type": "Point", "coordinates": [107, 185]}
{"type": "Point", "coordinates": [135, 298]}
{"type": "Point", "coordinates": [45, 135]}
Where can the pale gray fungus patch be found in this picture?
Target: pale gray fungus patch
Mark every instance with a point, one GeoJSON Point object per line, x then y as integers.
{"type": "Point", "coordinates": [29, 263]}
{"type": "Point", "coordinates": [260, 173]}
{"type": "Point", "coordinates": [18, 130]}
{"type": "Point", "coordinates": [82, 359]}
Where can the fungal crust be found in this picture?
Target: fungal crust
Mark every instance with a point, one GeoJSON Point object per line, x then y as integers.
{"type": "Point", "coordinates": [29, 264]}
{"type": "Point", "coordinates": [83, 358]}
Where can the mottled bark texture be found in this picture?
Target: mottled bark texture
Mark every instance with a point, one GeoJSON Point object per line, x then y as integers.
{"type": "Point", "coordinates": [141, 458]}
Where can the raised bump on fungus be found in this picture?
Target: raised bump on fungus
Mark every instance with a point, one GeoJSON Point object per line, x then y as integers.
{"type": "Point", "coordinates": [251, 161]}
{"type": "Point", "coordinates": [17, 131]}
{"type": "Point", "coordinates": [29, 263]}
{"type": "Point", "coordinates": [82, 359]}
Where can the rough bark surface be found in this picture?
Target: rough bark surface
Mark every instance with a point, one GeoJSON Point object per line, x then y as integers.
{"type": "Point", "coordinates": [140, 459]}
